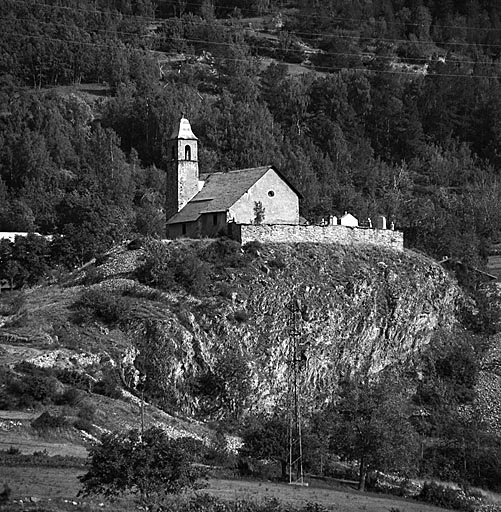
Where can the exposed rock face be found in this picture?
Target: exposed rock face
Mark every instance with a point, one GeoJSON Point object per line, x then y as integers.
{"type": "Point", "coordinates": [350, 309]}
{"type": "Point", "coordinates": [65, 359]}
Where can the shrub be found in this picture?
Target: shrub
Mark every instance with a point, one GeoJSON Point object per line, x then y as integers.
{"type": "Point", "coordinates": [74, 378]}
{"type": "Point", "coordinates": [102, 304]}
{"type": "Point", "coordinates": [157, 268]}
{"type": "Point", "coordinates": [7, 401]}
{"type": "Point", "coordinates": [253, 248]}
{"type": "Point", "coordinates": [277, 263]}
{"type": "Point", "coordinates": [92, 276]}
{"type": "Point", "coordinates": [13, 451]}
{"type": "Point", "coordinates": [108, 386]}
{"type": "Point", "coordinates": [192, 274]}
{"type": "Point", "coordinates": [241, 316]}
{"type": "Point", "coordinates": [87, 411]}
{"type": "Point", "coordinates": [223, 252]}
{"type": "Point", "coordinates": [167, 268]}
{"type": "Point", "coordinates": [85, 425]}
{"type": "Point", "coordinates": [12, 303]}
{"type": "Point", "coordinates": [225, 290]}
{"type": "Point", "coordinates": [48, 422]}
{"type": "Point", "coordinates": [143, 292]}
{"type": "Point", "coordinates": [71, 396]}
{"type": "Point", "coordinates": [33, 388]}
{"type": "Point", "coordinates": [151, 465]}
{"type": "Point", "coordinates": [447, 497]}
{"type": "Point", "coordinates": [43, 389]}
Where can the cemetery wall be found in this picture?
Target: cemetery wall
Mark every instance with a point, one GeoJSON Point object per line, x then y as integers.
{"type": "Point", "coordinates": [346, 235]}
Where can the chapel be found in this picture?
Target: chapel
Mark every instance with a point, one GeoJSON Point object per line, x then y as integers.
{"type": "Point", "coordinates": [207, 205]}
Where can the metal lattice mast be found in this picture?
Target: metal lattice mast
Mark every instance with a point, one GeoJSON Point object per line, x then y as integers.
{"type": "Point", "coordinates": [294, 360]}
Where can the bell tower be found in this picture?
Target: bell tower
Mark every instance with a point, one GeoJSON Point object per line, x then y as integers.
{"type": "Point", "coordinates": [182, 167]}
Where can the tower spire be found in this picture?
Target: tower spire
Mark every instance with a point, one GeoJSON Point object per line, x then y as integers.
{"type": "Point", "coordinates": [182, 167]}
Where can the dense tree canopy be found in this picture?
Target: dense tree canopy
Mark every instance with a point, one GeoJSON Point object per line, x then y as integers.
{"type": "Point", "coordinates": [395, 112]}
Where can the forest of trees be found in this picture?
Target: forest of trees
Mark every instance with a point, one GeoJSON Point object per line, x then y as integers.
{"type": "Point", "coordinates": [358, 132]}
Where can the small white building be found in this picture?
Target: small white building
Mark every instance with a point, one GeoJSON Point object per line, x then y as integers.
{"type": "Point", "coordinates": [349, 220]}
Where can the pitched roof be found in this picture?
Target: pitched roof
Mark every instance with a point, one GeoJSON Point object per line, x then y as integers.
{"type": "Point", "coordinates": [183, 131]}
{"type": "Point", "coordinates": [189, 213]}
{"type": "Point", "coordinates": [221, 191]}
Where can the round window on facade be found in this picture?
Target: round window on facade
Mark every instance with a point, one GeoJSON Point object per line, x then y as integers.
{"type": "Point", "coordinates": [271, 193]}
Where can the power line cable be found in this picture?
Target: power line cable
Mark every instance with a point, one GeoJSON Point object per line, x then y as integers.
{"type": "Point", "coordinates": [91, 31]}
{"type": "Point", "coordinates": [196, 4]}
{"type": "Point", "coordinates": [317, 68]}
{"type": "Point", "coordinates": [92, 11]}
{"type": "Point", "coordinates": [251, 46]}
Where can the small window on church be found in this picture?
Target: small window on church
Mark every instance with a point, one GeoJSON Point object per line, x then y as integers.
{"type": "Point", "coordinates": [271, 193]}
{"type": "Point", "coordinates": [183, 228]}
{"type": "Point", "coordinates": [214, 219]}
{"type": "Point", "coordinates": [187, 153]}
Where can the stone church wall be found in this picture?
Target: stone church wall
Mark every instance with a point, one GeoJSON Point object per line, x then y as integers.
{"type": "Point", "coordinates": [317, 234]}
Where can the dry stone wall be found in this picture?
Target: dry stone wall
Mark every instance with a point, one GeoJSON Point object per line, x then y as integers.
{"type": "Point", "coordinates": [319, 234]}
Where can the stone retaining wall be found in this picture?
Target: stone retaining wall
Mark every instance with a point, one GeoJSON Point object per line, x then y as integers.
{"type": "Point", "coordinates": [318, 234]}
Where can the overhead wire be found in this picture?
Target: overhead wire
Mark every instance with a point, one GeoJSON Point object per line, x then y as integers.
{"type": "Point", "coordinates": [231, 9]}
{"type": "Point", "coordinates": [197, 4]}
{"type": "Point", "coordinates": [252, 46]}
{"type": "Point", "coordinates": [246, 60]}
{"type": "Point", "coordinates": [230, 44]}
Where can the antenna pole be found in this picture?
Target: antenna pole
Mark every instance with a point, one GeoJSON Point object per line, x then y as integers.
{"type": "Point", "coordinates": [296, 475]}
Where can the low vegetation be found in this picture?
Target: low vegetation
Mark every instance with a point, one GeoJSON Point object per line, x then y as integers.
{"type": "Point", "coordinates": [148, 464]}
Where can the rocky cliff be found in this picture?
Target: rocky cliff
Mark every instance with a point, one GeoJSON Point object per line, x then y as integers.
{"type": "Point", "coordinates": [212, 324]}
{"type": "Point", "coordinates": [348, 309]}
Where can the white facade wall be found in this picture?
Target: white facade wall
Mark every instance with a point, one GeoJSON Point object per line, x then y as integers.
{"type": "Point", "coordinates": [280, 202]}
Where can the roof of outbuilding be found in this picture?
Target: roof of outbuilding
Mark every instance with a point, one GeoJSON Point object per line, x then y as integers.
{"type": "Point", "coordinates": [183, 131]}
{"type": "Point", "coordinates": [221, 191]}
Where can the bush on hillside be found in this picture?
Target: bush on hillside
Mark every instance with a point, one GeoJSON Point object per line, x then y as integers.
{"type": "Point", "coordinates": [241, 316]}
{"type": "Point", "coordinates": [150, 465]}
{"type": "Point", "coordinates": [71, 396]}
{"type": "Point", "coordinates": [108, 386]}
{"type": "Point", "coordinates": [74, 378]}
{"type": "Point", "coordinates": [12, 303]}
{"type": "Point", "coordinates": [87, 411]}
{"type": "Point", "coordinates": [253, 248]}
{"type": "Point", "coordinates": [226, 290]}
{"type": "Point", "coordinates": [140, 291]}
{"type": "Point", "coordinates": [47, 421]}
{"type": "Point", "coordinates": [85, 426]}
{"type": "Point", "coordinates": [277, 263]}
{"type": "Point", "coordinates": [105, 305]}
{"type": "Point", "coordinates": [223, 252]}
{"type": "Point", "coordinates": [168, 268]}
{"type": "Point", "coordinates": [448, 497]}
{"type": "Point", "coordinates": [32, 389]}
{"type": "Point", "coordinates": [192, 274]}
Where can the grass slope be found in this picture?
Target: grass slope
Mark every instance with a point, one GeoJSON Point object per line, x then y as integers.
{"type": "Point", "coordinates": [61, 487]}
